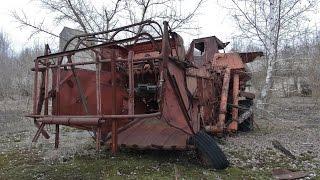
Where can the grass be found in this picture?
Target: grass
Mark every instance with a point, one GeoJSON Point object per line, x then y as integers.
{"type": "Point", "coordinates": [127, 164]}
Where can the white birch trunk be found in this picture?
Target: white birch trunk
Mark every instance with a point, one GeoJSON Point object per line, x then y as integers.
{"type": "Point", "coordinates": [271, 50]}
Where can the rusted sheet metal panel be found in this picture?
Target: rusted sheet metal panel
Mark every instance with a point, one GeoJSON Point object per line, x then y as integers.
{"type": "Point", "coordinates": [70, 101]}
{"type": "Point", "coordinates": [231, 60]}
{"type": "Point", "coordinates": [153, 133]}
{"type": "Point", "coordinates": [250, 56]}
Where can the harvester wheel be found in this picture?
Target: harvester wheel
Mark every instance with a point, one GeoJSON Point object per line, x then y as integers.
{"type": "Point", "coordinates": [210, 151]}
{"type": "Point", "coordinates": [247, 124]}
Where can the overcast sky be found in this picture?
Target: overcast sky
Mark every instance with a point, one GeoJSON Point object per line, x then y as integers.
{"type": "Point", "coordinates": [212, 19]}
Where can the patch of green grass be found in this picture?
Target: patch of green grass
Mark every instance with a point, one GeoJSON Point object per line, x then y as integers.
{"type": "Point", "coordinates": [127, 164]}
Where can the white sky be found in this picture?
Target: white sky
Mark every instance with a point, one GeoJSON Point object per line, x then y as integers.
{"type": "Point", "coordinates": [213, 20]}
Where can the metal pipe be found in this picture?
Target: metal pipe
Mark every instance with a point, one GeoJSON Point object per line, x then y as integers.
{"type": "Point", "coordinates": [35, 87]}
{"type": "Point", "coordinates": [131, 83]}
{"type": "Point", "coordinates": [56, 139]}
{"type": "Point", "coordinates": [136, 60]}
{"type": "Point", "coordinates": [98, 85]}
{"type": "Point", "coordinates": [114, 103]}
{"type": "Point", "coordinates": [58, 76]}
{"type": "Point", "coordinates": [72, 121]}
{"type": "Point", "coordinates": [108, 31]}
{"type": "Point", "coordinates": [36, 136]}
{"type": "Point", "coordinates": [235, 95]}
{"type": "Point", "coordinates": [164, 63]}
{"type": "Point", "coordinates": [224, 99]}
{"type": "Point", "coordinates": [72, 52]}
{"type": "Point", "coordinates": [117, 116]}
{"type": "Point", "coordinates": [46, 81]}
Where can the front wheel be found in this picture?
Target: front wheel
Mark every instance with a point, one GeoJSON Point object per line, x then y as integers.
{"type": "Point", "coordinates": [209, 151]}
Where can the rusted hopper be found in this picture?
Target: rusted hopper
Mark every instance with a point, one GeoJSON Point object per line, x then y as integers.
{"type": "Point", "coordinates": [145, 91]}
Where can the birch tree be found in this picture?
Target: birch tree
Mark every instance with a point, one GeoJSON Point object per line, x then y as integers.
{"type": "Point", "coordinates": [270, 22]}
{"type": "Point", "coordinates": [89, 17]}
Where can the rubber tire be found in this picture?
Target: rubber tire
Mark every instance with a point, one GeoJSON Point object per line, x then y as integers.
{"type": "Point", "coordinates": [247, 124]}
{"type": "Point", "coordinates": [207, 146]}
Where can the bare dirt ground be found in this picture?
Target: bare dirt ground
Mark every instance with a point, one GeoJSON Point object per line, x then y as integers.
{"type": "Point", "coordinates": [294, 122]}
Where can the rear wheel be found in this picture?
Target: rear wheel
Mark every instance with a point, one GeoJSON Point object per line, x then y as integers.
{"type": "Point", "coordinates": [209, 151]}
{"type": "Point", "coordinates": [247, 124]}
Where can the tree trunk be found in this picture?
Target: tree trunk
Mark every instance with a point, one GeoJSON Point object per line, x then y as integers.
{"type": "Point", "coordinates": [271, 47]}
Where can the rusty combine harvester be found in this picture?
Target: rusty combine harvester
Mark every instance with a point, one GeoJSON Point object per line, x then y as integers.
{"type": "Point", "coordinates": [145, 91]}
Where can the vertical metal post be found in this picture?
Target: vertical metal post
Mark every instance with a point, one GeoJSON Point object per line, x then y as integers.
{"type": "Point", "coordinates": [164, 63]}
{"type": "Point", "coordinates": [114, 103]}
{"type": "Point", "coordinates": [224, 99]}
{"type": "Point", "coordinates": [98, 96]}
{"type": "Point", "coordinates": [58, 75]}
{"type": "Point", "coordinates": [78, 83]}
{"type": "Point", "coordinates": [56, 140]}
{"type": "Point", "coordinates": [235, 95]}
{"type": "Point", "coordinates": [131, 83]}
{"type": "Point", "coordinates": [46, 81]}
{"type": "Point", "coordinates": [98, 85]}
{"type": "Point", "coordinates": [35, 87]}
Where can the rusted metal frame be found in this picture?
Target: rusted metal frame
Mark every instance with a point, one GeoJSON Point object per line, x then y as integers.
{"type": "Point", "coordinates": [60, 55]}
{"type": "Point", "coordinates": [108, 31]}
{"type": "Point", "coordinates": [156, 47]}
{"type": "Point", "coordinates": [197, 76]}
{"type": "Point", "coordinates": [46, 81]}
{"type": "Point", "coordinates": [72, 121]}
{"type": "Point", "coordinates": [116, 116]}
{"type": "Point", "coordinates": [43, 131]}
{"type": "Point", "coordinates": [98, 99]}
{"type": "Point", "coordinates": [98, 85]}
{"type": "Point", "coordinates": [73, 64]}
{"type": "Point", "coordinates": [131, 83]}
{"type": "Point", "coordinates": [138, 60]}
{"type": "Point", "coordinates": [223, 101]}
{"type": "Point", "coordinates": [35, 101]}
{"type": "Point", "coordinates": [114, 103]}
{"type": "Point", "coordinates": [41, 94]}
{"type": "Point", "coordinates": [57, 105]}
{"type": "Point", "coordinates": [235, 95]}
{"type": "Point", "coordinates": [71, 52]}
{"type": "Point", "coordinates": [159, 33]}
{"type": "Point", "coordinates": [183, 107]}
{"type": "Point", "coordinates": [164, 64]}
{"type": "Point", "coordinates": [36, 136]}
{"type": "Point", "coordinates": [57, 136]}
{"type": "Point", "coordinates": [35, 87]}
{"type": "Point", "coordinates": [79, 87]}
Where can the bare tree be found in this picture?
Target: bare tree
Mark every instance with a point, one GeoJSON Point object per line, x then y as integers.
{"type": "Point", "coordinates": [90, 18]}
{"type": "Point", "coordinates": [5, 65]}
{"type": "Point", "coordinates": [270, 22]}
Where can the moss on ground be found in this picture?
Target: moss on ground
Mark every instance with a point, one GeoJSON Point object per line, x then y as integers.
{"type": "Point", "coordinates": [125, 165]}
